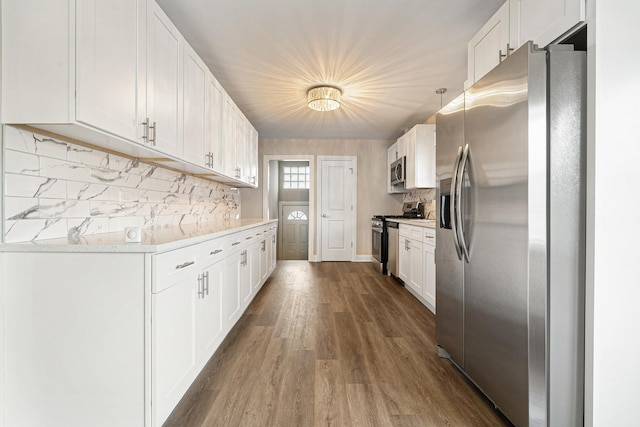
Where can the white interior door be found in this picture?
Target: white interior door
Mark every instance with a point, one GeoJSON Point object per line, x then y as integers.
{"type": "Point", "coordinates": [295, 231]}
{"type": "Point", "coordinates": [337, 210]}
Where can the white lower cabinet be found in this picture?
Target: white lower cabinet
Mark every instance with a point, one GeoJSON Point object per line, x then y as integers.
{"type": "Point", "coordinates": [429, 282]}
{"type": "Point", "coordinates": [210, 330]}
{"type": "Point", "coordinates": [215, 283]}
{"type": "Point", "coordinates": [120, 337]}
{"type": "Point", "coordinates": [417, 267]}
{"type": "Point", "coordinates": [174, 323]}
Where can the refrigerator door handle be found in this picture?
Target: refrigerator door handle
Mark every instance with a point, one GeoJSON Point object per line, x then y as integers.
{"type": "Point", "coordinates": [453, 203]}
{"type": "Point", "coordinates": [458, 202]}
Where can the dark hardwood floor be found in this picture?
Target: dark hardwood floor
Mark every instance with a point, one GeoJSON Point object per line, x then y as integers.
{"type": "Point", "coordinates": [332, 344]}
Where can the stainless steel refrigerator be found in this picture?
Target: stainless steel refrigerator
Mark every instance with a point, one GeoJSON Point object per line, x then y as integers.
{"type": "Point", "coordinates": [511, 235]}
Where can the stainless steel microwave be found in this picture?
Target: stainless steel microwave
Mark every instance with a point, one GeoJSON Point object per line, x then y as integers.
{"type": "Point", "coordinates": [398, 171]}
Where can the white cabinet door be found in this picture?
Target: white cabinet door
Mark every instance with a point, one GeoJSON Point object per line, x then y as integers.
{"type": "Point", "coordinates": [229, 137]}
{"type": "Point", "coordinates": [231, 289]}
{"type": "Point", "coordinates": [214, 142]}
{"type": "Point", "coordinates": [255, 260]}
{"type": "Point", "coordinates": [164, 81]}
{"type": "Point", "coordinates": [544, 21]}
{"type": "Point", "coordinates": [416, 267]}
{"type": "Point", "coordinates": [274, 251]}
{"type": "Point", "coordinates": [421, 157]}
{"type": "Point", "coordinates": [194, 117]}
{"type": "Point", "coordinates": [252, 155]}
{"type": "Point", "coordinates": [210, 327]}
{"type": "Point", "coordinates": [410, 165]}
{"type": "Point", "coordinates": [489, 46]}
{"type": "Point", "coordinates": [246, 285]}
{"type": "Point", "coordinates": [265, 257]}
{"type": "Point", "coordinates": [404, 259]}
{"type": "Point", "coordinates": [110, 92]}
{"type": "Point", "coordinates": [173, 351]}
{"type": "Point", "coordinates": [429, 286]}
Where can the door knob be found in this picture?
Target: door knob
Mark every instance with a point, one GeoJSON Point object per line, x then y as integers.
{"type": "Point", "coordinates": [325, 216]}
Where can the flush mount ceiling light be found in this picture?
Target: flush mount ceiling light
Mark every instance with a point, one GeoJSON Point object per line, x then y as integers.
{"type": "Point", "coordinates": [324, 98]}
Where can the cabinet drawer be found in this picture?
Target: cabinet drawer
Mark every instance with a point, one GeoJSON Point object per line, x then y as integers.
{"type": "Point", "coordinates": [411, 231]}
{"type": "Point", "coordinates": [214, 250]}
{"type": "Point", "coordinates": [429, 236]}
{"type": "Point", "coordinates": [171, 267]}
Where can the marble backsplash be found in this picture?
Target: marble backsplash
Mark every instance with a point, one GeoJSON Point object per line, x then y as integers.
{"type": "Point", "coordinates": [55, 189]}
{"type": "Point", "coordinates": [426, 196]}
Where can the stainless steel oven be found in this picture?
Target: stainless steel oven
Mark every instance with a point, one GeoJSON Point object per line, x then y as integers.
{"type": "Point", "coordinates": [378, 244]}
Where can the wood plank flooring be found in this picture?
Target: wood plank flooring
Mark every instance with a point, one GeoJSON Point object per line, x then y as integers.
{"type": "Point", "coordinates": [332, 344]}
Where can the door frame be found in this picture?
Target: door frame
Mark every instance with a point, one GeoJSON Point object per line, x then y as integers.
{"type": "Point", "coordinates": [354, 210]}
{"type": "Point", "coordinates": [313, 256]}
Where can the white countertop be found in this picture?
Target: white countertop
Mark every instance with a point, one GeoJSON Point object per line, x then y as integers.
{"type": "Point", "coordinates": [153, 240]}
{"type": "Point", "coordinates": [428, 223]}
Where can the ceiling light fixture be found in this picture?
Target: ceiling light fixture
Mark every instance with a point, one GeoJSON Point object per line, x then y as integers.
{"type": "Point", "coordinates": [324, 98]}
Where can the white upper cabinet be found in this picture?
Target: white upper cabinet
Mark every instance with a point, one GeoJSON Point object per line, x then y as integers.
{"type": "Point", "coordinates": [195, 111]}
{"type": "Point", "coordinates": [214, 145]}
{"type": "Point", "coordinates": [514, 24]}
{"type": "Point", "coordinates": [253, 155]}
{"type": "Point", "coordinates": [109, 69]}
{"type": "Point", "coordinates": [545, 21]}
{"type": "Point", "coordinates": [164, 81]}
{"type": "Point", "coordinates": [421, 157]}
{"type": "Point", "coordinates": [118, 74]}
{"type": "Point", "coordinates": [230, 137]}
{"type": "Point", "coordinates": [490, 45]}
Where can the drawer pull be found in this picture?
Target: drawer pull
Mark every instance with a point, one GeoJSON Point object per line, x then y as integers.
{"type": "Point", "coordinates": [186, 264]}
{"type": "Point", "coordinates": [235, 243]}
{"type": "Point", "coordinates": [429, 237]}
{"type": "Point", "coordinates": [248, 238]}
{"type": "Point", "coordinates": [217, 251]}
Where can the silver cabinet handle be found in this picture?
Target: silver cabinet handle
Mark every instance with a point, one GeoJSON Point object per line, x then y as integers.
{"type": "Point", "coordinates": [428, 237]}
{"type": "Point", "coordinates": [217, 251]}
{"type": "Point", "coordinates": [152, 139]}
{"type": "Point", "coordinates": [200, 286]}
{"type": "Point", "coordinates": [145, 130]}
{"type": "Point", "coordinates": [503, 56]}
{"type": "Point", "coordinates": [325, 216]}
{"type": "Point", "coordinates": [264, 245]}
{"type": "Point", "coordinates": [186, 264]}
{"type": "Point", "coordinates": [235, 243]}
{"type": "Point", "coordinates": [205, 284]}
{"type": "Point", "coordinates": [248, 238]}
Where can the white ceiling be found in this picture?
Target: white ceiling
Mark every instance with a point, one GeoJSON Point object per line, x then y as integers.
{"type": "Point", "coordinates": [387, 56]}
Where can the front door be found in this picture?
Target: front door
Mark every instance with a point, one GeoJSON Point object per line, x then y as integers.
{"type": "Point", "coordinates": [337, 209]}
{"type": "Point", "coordinates": [295, 231]}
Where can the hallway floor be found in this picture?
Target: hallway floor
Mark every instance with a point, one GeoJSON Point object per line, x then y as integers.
{"type": "Point", "coordinates": [332, 344]}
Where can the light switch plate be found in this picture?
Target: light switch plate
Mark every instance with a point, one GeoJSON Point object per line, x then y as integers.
{"type": "Point", "coordinates": [132, 235]}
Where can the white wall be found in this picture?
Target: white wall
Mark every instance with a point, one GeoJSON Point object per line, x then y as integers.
{"type": "Point", "coordinates": [372, 176]}
{"type": "Point", "coordinates": [613, 281]}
